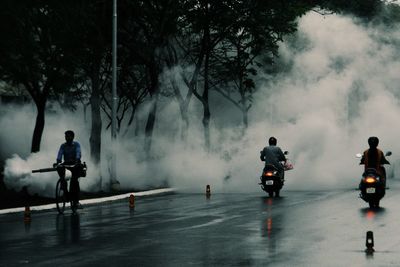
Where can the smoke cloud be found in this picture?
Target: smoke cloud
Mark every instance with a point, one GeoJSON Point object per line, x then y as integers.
{"type": "Point", "coordinates": [339, 85]}
{"type": "Point", "coordinates": [341, 89]}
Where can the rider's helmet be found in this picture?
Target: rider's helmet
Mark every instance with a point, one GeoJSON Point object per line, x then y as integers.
{"type": "Point", "coordinates": [373, 141]}
{"type": "Point", "coordinates": [272, 141]}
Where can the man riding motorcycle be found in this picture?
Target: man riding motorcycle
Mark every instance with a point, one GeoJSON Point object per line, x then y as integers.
{"type": "Point", "coordinates": [273, 155]}
{"type": "Point", "coordinates": [374, 158]}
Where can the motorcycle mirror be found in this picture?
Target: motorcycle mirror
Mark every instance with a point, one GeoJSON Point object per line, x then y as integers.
{"type": "Point", "coordinates": [286, 152]}
{"type": "Point", "coordinates": [359, 155]}
{"type": "Point", "coordinates": [389, 153]}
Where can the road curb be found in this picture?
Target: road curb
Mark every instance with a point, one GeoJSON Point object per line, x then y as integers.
{"type": "Point", "coordinates": [94, 200]}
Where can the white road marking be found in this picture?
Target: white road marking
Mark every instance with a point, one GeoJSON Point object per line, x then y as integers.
{"type": "Point", "coordinates": [93, 200]}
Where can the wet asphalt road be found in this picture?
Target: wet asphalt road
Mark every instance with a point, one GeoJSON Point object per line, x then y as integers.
{"type": "Point", "coordinates": [316, 228]}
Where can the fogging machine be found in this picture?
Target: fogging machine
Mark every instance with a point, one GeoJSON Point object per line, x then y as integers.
{"type": "Point", "coordinates": [45, 170]}
{"type": "Point", "coordinates": [81, 169]}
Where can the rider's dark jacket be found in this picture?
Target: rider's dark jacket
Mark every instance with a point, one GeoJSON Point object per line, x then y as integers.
{"type": "Point", "coordinates": [374, 158]}
{"type": "Point", "coordinates": [70, 152]}
{"type": "Point", "coordinates": [273, 155]}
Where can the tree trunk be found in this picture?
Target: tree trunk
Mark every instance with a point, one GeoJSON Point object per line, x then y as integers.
{"type": "Point", "coordinates": [245, 119]}
{"type": "Point", "coordinates": [95, 134]}
{"type": "Point", "coordinates": [137, 126]}
{"type": "Point", "coordinates": [183, 108]}
{"type": "Point", "coordinates": [185, 124]}
{"type": "Point", "coordinates": [245, 116]}
{"type": "Point", "coordinates": [39, 125]}
{"type": "Point", "coordinates": [150, 125]}
{"type": "Point", "coordinates": [206, 125]}
{"type": "Point", "coordinates": [245, 109]}
{"type": "Point", "coordinates": [206, 111]}
{"type": "Point", "coordinates": [205, 100]}
{"type": "Point", "coordinates": [131, 118]}
{"type": "Point", "coordinates": [154, 72]}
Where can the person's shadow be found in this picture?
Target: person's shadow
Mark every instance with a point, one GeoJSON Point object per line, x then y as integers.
{"type": "Point", "coordinates": [68, 228]}
{"type": "Point", "coordinates": [75, 228]}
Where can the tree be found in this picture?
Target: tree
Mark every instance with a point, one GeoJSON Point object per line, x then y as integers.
{"type": "Point", "coordinates": [211, 22]}
{"type": "Point", "coordinates": [260, 27]}
{"type": "Point", "coordinates": [186, 52]}
{"type": "Point", "coordinates": [90, 25]}
{"type": "Point", "coordinates": [145, 34]}
{"type": "Point", "coordinates": [132, 91]}
{"type": "Point", "coordinates": [92, 29]}
{"type": "Point", "coordinates": [36, 54]}
{"type": "Point", "coordinates": [134, 87]}
{"type": "Point", "coordinates": [362, 8]}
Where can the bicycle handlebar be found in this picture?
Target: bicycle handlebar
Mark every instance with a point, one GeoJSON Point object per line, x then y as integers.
{"type": "Point", "coordinates": [66, 166]}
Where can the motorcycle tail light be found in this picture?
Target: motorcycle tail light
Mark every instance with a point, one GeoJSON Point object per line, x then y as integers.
{"type": "Point", "coordinates": [370, 180]}
{"type": "Point", "coordinates": [269, 174]}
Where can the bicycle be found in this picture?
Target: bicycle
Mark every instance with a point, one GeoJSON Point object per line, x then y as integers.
{"type": "Point", "coordinates": [62, 185]}
{"type": "Point", "coordinates": [62, 194]}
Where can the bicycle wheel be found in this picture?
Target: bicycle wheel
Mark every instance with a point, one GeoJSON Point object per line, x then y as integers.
{"type": "Point", "coordinates": [61, 197]}
{"type": "Point", "coordinates": [74, 206]}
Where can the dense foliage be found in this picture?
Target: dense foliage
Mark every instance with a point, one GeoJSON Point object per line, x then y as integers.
{"type": "Point", "coordinates": [62, 50]}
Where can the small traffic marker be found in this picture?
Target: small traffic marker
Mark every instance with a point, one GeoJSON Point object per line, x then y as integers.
{"type": "Point", "coordinates": [208, 190]}
{"type": "Point", "coordinates": [369, 243]}
{"type": "Point", "coordinates": [27, 215]}
{"type": "Point", "coordinates": [131, 201]}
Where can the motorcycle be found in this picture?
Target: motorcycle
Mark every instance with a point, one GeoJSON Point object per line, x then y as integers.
{"type": "Point", "coordinates": [271, 182]}
{"type": "Point", "coordinates": [372, 186]}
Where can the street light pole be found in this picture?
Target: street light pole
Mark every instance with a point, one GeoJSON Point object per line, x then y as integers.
{"type": "Point", "coordinates": [114, 181]}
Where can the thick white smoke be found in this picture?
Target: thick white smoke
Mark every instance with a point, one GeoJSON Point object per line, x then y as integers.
{"type": "Point", "coordinates": [17, 124]}
{"type": "Point", "coordinates": [341, 88]}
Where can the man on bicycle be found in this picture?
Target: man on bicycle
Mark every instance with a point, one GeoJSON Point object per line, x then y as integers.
{"type": "Point", "coordinates": [71, 151]}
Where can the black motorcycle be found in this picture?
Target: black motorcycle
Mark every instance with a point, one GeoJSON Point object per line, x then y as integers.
{"type": "Point", "coordinates": [271, 182]}
{"type": "Point", "coordinates": [372, 186]}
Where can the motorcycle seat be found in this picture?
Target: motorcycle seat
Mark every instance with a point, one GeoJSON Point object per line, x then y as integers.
{"type": "Point", "coordinates": [270, 167]}
{"type": "Point", "coordinates": [370, 171]}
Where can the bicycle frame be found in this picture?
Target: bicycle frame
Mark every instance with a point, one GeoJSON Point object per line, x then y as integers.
{"type": "Point", "coordinates": [62, 184]}
{"type": "Point", "coordinates": [62, 192]}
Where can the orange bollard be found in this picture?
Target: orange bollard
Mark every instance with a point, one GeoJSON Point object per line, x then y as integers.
{"type": "Point", "coordinates": [369, 243]}
{"type": "Point", "coordinates": [208, 190]}
{"type": "Point", "coordinates": [131, 201]}
{"type": "Point", "coordinates": [27, 215]}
